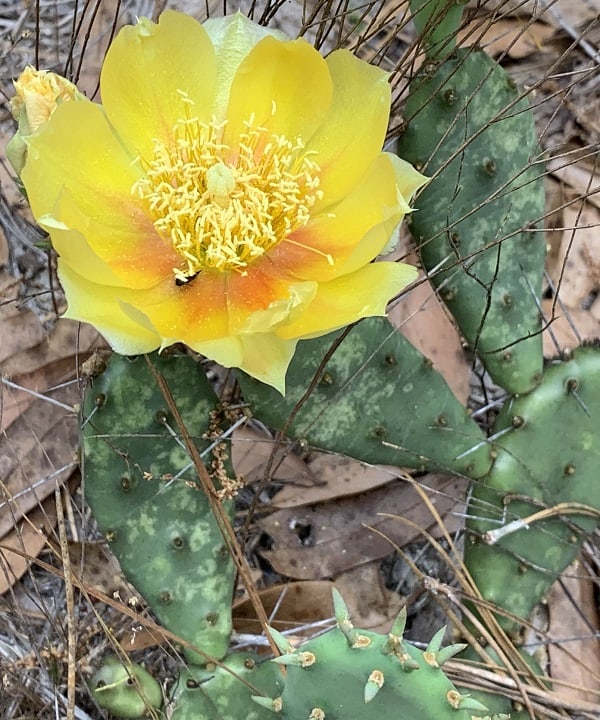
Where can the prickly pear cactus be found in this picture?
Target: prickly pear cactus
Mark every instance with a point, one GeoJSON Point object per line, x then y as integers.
{"type": "Point", "coordinates": [350, 674]}
{"type": "Point", "coordinates": [378, 399]}
{"type": "Point", "coordinates": [548, 462]}
{"type": "Point", "coordinates": [475, 224]}
{"type": "Point", "coordinates": [144, 494]}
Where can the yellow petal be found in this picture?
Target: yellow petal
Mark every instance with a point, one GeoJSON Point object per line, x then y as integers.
{"type": "Point", "coordinates": [360, 224]}
{"type": "Point", "coordinates": [408, 180]}
{"type": "Point", "coordinates": [147, 68]}
{"type": "Point", "coordinates": [264, 356]}
{"type": "Point", "coordinates": [361, 294]}
{"type": "Point", "coordinates": [127, 245]}
{"type": "Point", "coordinates": [232, 36]}
{"type": "Point", "coordinates": [284, 86]}
{"type": "Point", "coordinates": [354, 231]}
{"type": "Point", "coordinates": [190, 313]}
{"type": "Point", "coordinates": [78, 151]}
{"type": "Point", "coordinates": [264, 298]}
{"type": "Point", "coordinates": [78, 177]}
{"type": "Point", "coordinates": [75, 252]}
{"type": "Point", "coordinates": [106, 308]}
{"type": "Point", "coordinates": [354, 130]}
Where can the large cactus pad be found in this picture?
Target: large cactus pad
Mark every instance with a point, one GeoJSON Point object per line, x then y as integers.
{"type": "Point", "coordinates": [476, 222]}
{"type": "Point", "coordinates": [144, 493]}
{"type": "Point", "coordinates": [350, 674]}
{"type": "Point", "coordinates": [377, 399]}
{"type": "Point", "coordinates": [548, 462]}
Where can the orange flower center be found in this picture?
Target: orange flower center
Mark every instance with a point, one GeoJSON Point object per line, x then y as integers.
{"type": "Point", "coordinates": [223, 207]}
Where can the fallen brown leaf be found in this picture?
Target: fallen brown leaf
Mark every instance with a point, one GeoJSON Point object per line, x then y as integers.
{"type": "Point", "coordinates": [574, 624]}
{"type": "Point", "coordinates": [287, 606]}
{"type": "Point", "coordinates": [256, 456]}
{"type": "Point", "coordinates": [324, 540]}
{"type": "Point", "coordinates": [338, 476]}
{"type": "Point", "coordinates": [516, 37]}
{"type": "Point", "coordinates": [422, 318]}
{"type": "Point", "coordinates": [371, 605]}
{"type": "Point", "coordinates": [39, 394]}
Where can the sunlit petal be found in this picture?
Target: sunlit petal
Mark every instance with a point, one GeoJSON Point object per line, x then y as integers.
{"type": "Point", "coordinates": [263, 355]}
{"type": "Point", "coordinates": [155, 72]}
{"type": "Point", "coordinates": [105, 307]}
{"type": "Point", "coordinates": [270, 87]}
{"type": "Point", "coordinates": [339, 302]}
{"type": "Point", "coordinates": [354, 131]}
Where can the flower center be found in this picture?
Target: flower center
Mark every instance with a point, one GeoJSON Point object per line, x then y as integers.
{"type": "Point", "coordinates": [223, 207]}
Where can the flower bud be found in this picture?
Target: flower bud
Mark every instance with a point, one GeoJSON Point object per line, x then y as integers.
{"type": "Point", "coordinates": [37, 94]}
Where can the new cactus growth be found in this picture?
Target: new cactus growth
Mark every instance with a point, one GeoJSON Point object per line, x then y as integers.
{"type": "Point", "coordinates": [143, 491]}
{"type": "Point", "coordinates": [476, 224]}
{"type": "Point", "coordinates": [350, 674]}
{"type": "Point", "coordinates": [377, 399]}
{"type": "Point", "coordinates": [125, 689]}
{"type": "Point", "coordinates": [547, 470]}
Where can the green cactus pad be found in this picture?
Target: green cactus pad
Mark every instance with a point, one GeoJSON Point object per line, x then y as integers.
{"type": "Point", "coordinates": [349, 674]}
{"type": "Point", "coordinates": [146, 500]}
{"type": "Point", "coordinates": [476, 223]}
{"type": "Point", "coordinates": [548, 453]}
{"type": "Point", "coordinates": [213, 693]}
{"type": "Point", "coordinates": [378, 400]}
{"type": "Point", "coordinates": [127, 691]}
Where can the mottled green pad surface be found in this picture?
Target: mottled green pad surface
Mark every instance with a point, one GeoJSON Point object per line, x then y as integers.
{"type": "Point", "coordinates": [475, 223]}
{"type": "Point", "coordinates": [146, 499]}
{"type": "Point", "coordinates": [549, 454]}
{"type": "Point", "coordinates": [412, 689]}
{"type": "Point", "coordinates": [376, 388]}
{"type": "Point", "coordinates": [215, 694]}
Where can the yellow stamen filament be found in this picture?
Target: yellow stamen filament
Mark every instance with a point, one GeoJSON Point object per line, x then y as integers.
{"type": "Point", "coordinates": [221, 206]}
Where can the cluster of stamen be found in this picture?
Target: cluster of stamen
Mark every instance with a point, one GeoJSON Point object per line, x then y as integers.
{"type": "Point", "coordinates": [222, 207]}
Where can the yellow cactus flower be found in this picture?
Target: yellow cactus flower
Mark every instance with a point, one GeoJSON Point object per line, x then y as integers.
{"type": "Point", "coordinates": [37, 95]}
{"type": "Point", "coordinates": [230, 193]}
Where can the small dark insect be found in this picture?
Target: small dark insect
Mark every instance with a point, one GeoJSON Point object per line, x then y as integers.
{"type": "Point", "coordinates": [185, 281]}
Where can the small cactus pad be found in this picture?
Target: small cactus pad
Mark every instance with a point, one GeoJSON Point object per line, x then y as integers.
{"type": "Point", "coordinates": [349, 674]}
{"type": "Point", "coordinates": [125, 690]}
{"type": "Point", "coordinates": [144, 494]}
{"type": "Point", "coordinates": [548, 454]}
{"type": "Point", "coordinates": [216, 693]}
{"type": "Point", "coordinates": [476, 223]}
{"type": "Point", "coordinates": [378, 399]}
